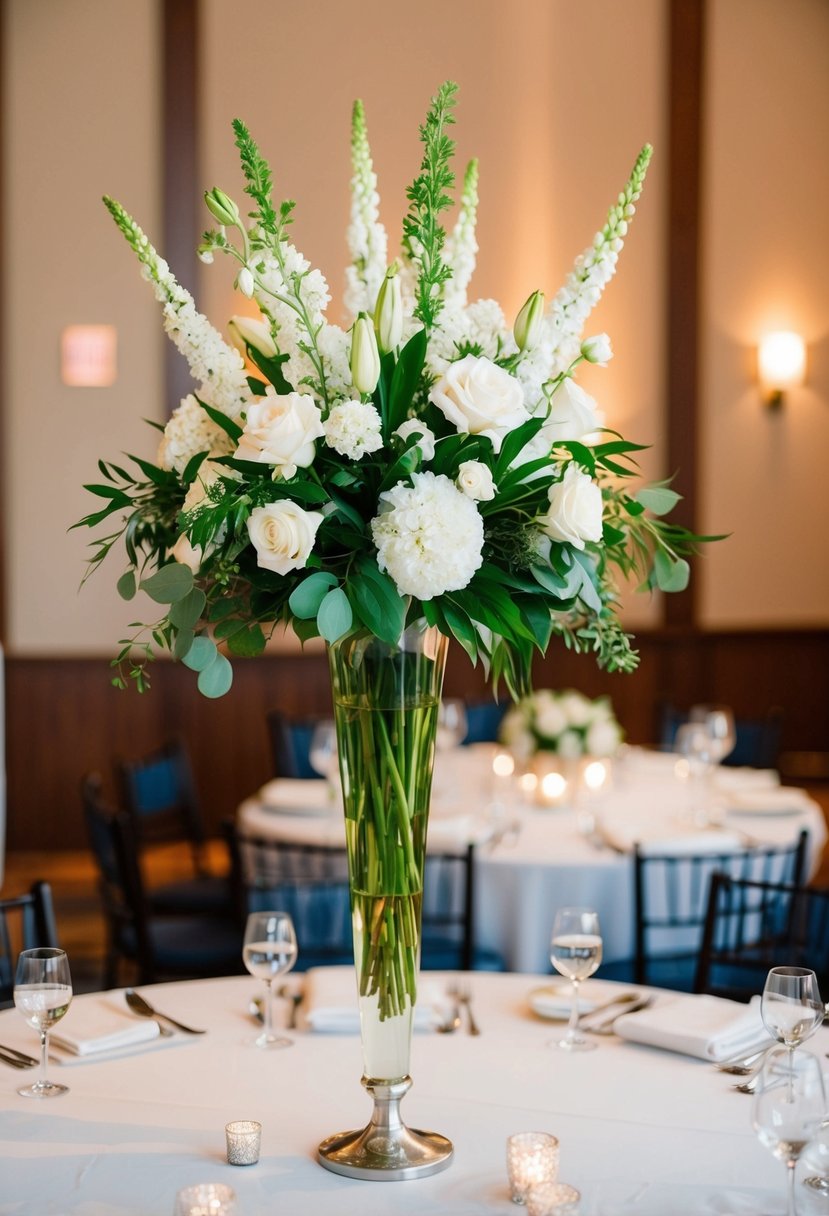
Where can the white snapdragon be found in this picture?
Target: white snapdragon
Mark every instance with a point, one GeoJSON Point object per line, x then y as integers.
{"type": "Point", "coordinates": [429, 536]}
{"type": "Point", "coordinates": [281, 431]}
{"type": "Point", "coordinates": [425, 437]}
{"type": "Point", "coordinates": [353, 428]}
{"type": "Point", "coordinates": [480, 398]}
{"type": "Point", "coordinates": [461, 245]}
{"type": "Point", "coordinates": [367, 241]}
{"type": "Point", "coordinates": [575, 511]}
{"type": "Point", "coordinates": [475, 480]}
{"type": "Point", "coordinates": [218, 368]}
{"type": "Point", "coordinates": [188, 432]}
{"type": "Point", "coordinates": [283, 535]}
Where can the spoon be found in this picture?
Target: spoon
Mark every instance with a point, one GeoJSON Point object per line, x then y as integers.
{"type": "Point", "coordinates": [143, 1008]}
{"type": "Point", "coordinates": [450, 1025]}
{"type": "Point", "coordinates": [750, 1084]}
{"type": "Point", "coordinates": [742, 1066]}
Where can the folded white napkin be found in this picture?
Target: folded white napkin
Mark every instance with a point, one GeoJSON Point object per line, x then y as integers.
{"type": "Point", "coordinates": [331, 1007]}
{"type": "Point", "coordinates": [728, 779]}
{"type": "Point", "coordinates": [294, 796]}
{"type": "Point", "coordinates": [707, 1027]}
{"type": "Point", "coordinates": [677, 841]}
{"type": "Point", "coordinates": [785, 800]}
{"type": "Point", "coordinates": [93, 1027]}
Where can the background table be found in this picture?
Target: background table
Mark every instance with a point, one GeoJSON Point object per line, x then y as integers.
{"type": "Point", "coordinates": [545, 860]}
{"type": "Point", "coordinates": [641, 1131]}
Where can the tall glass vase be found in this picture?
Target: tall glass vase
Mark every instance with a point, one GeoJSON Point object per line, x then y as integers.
{"type": "Point", "coordinates": [386, 700]}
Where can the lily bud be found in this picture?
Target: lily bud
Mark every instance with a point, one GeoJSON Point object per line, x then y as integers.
{"type": "Point", "coordinates": [245, 282]}
{"type": "Point", "coordinates": [388, 312]}
{"type": "Point", "coordinates": [527, 327]}
{"type": "Point", "coordinates": [253, 332]}
{"type": "Point", "coordinates": [597, 349]}
{"type": "Point", "coordinates": [365, 357]}
{"type": "Point", "coordinates": [221, 207]}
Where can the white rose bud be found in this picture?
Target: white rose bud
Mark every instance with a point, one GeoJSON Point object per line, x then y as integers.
{"type": "Point", "coordinates": [575, 513]}
{"type": "Point", "coordinates": [365, 357]}
{"type": "Point", "coordinates": [480, 398]}
{"type": "Point", "coordinates": [475, 480]}
{"type": "Point", "coordinates": [246, 282]}
{"type": "Point", "coordinates": [281, 431]}
{"type": "Point", "coordinates": [221, 206]}
{"type": "Point", "coordinates": [283, 535]}
{"type": "Point", "coordinates": [527, 327]}
{"type": "Point", "coordinates": [426, 439]}
{"type": "Point", "coordinates": [253, 332]}
{"type": "Point", "coordinates": [597, 350]}
{"type": "Point", "coordinates": [573, 414]}
{"type": "Point", "coordinates": [388, 313]}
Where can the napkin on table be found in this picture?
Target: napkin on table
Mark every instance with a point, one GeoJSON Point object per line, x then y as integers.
{"type": "Point", "coordinates": [680, 841]}
{"type": "Point", "coordinates": [96, 1027]}
{"type": "Point", "coordinates": [331, 1007]}
{"type": "Point", "coordinates": [707, 1027]}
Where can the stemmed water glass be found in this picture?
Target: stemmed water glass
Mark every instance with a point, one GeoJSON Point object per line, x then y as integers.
{"type": "Point", "coordinates": [452, 724]}
{"type": "Point", "coordinates": [693, 742]}
{"type": "Point", "coordinates": [322, 753]}
{"type": "Point", "coordinates": [269, 950]}
{"type": "Point", "coordinates": [718, 720]}
{"type": "Point", "coordinates": [789, 1107]}
{"type": "Point", "coordinates": [791, 1005]}
{"type": "Point", "coordinates": [42, 993]}
{"type": "Point", "coordinates": [576, 951]}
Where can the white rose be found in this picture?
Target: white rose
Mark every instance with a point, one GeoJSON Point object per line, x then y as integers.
{"type": "Point", "coordinates": [603, 738]}
{"type": "Point", "coordinates": [187, 554]}
{"type": "Point", "coordinates": [426, 438]}
{"type": "Point", "coordinates": [281, 431]}
{"type": "Point", "coordinates": [573, 414]}
{"type": "Point", "coordinates": [575, 513]}
{"type": "Point", "coordinates": [569, 746]}
{"type": "Point", "coordinates": [480, 398]}
{"type": "Point", "coordinates": [283, 535]}
{"type": "Point", "coordinates": [597, 350]}
{"type": "Point", "coordinates": [208, 474]}
{"type": "Point", "coordinates": [576, 708]}
{"type": "Point", "coordinates": [550, 721]}
{"type": "Point", "coordinates": [475, 479]}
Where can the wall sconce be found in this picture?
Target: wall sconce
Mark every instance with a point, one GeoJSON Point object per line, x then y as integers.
{"type": "Point", "coordinates": [781, 365]}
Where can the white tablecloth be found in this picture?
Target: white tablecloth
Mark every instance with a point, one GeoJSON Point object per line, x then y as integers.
{"type": "Point", "coordinates": [641, 1131]}
{"type": "Point", "coordinates": [549, 861]}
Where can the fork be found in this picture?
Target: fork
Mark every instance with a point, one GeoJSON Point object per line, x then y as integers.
{"type": "Point", "coordinates": [461, 993]}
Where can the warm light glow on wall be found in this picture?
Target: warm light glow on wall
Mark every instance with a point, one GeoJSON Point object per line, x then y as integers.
{"type": "Point", "coordinates": [88, 356]}
{"type": "Point", "coordinates": [781, 365]}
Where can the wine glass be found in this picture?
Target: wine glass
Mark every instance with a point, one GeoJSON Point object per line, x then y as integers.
{"type": "Point", "coordinates": [789, 1106]}
{"type": "Point", "coordinates": [693, 743]}
{"type": "Point", "coordinates": [269, 950]}
{"type": "Point", "coordinates": [452, 725]}
{"type": "Point", "coordinates": [791, 1005]}
{"type": "Point", "coordinates": [322, 753]}
{"type": "Point", "coordinates": [718, 720]}
{"type": "Point", "coordinates": [42, 993]}
{"type": "Point", "coordinates": [576, 951]}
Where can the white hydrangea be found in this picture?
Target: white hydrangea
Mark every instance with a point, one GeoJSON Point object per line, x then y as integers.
{"type": "Point", "coordinates": [189, 432]}
{"type": "Point", "coordinates": [429, 536]}
{"type": "Point", "coordinates": [353, 428]}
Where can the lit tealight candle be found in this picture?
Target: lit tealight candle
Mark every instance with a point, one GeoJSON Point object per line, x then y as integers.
{"type": "Point", "coordinates": [503, 764]}
{"type": "Point", "coordinates": [553, 788]}
{"type": "Point", "coordinates": [595, 775]}
{"type": "Point", "coordinates": [243, 1138]}
{"type": "Point", "coordinates": [528, 783]}
{"type": "Point", "coordinates": [206, 1199]}
{"type": "Point", "coordinates": [552, 1199]}
{"type": "Point", "coordinates": [532, 1158]}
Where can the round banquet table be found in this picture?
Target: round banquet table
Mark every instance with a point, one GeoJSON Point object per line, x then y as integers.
{"type": "Point", "coordinates": [532, 859]}
{"type": "Point", "coordinates": [641, 1130]}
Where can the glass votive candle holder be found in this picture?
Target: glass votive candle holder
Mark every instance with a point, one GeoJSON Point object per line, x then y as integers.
{"type": "Point", "coordinates": [552, 1199]}
{"type": "Point", "coordinates": [243, 1137]}
{"type": "Point", "coordinates": [532, 1158]}
{"type": "Point", "coordinates": [206, 1199]}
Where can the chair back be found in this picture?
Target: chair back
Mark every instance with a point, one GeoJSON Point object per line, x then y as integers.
{"type": "Point", "coordinates": [26, 921]}
{"type": "Point", "coordinates": [751, 927]}
{"type": "Point", "coordinates": [483, 721]}
{"type": "Point", "coordinates": [671, 898]}
{"type": "Point", "coordinates": [159, 793]}
{"type": "Point", "coordinates": [290, 741]}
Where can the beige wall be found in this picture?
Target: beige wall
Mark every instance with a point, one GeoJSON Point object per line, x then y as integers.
{"type": "Point", "coordinates": [556, 106]}
{"type": "Point", "coordinates": [766, 267]}
{"type": "Point", "coordinates": [81, 114]}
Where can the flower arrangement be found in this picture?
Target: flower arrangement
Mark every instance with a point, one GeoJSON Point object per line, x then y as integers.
{"type": "Point", "coordinates": [429, 461]}
{"type": "Point", "coordinates": [565, 723]}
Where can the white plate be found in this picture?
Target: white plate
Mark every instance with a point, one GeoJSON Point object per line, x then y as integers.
{"type": "Point", "coordinates": [554, 1000]}
{"type": "Point", "coordinates": [290, 796]}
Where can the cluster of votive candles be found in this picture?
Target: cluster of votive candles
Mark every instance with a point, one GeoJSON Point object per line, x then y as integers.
{"type": "Point", "coordinates": [553, 787]}
{"type": "Point", "coordinates": [532, 1166]}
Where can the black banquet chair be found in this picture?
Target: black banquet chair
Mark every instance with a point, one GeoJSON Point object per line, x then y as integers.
{"type": "Point", "coordinates": [159, 794]}
{"type": "Point", "coordinates": [26, 922]}
{"type": "Point", "coordinates": [290, 742]}
{"type": "Point", "coordinates": [155, 946]}
{"type": "Point", "coordinates": [751, 927]}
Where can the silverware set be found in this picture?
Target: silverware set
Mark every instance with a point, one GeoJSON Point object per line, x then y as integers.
{"type": "Point", "coordinates": [17, 1059]}
{"type": "Point", "coordinates": [462, 996]}
{"type": "Point", "coordinates": [144, 1009]}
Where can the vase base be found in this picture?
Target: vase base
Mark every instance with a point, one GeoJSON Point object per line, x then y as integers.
{"type": "Point", "coordinates": [386, 1150]}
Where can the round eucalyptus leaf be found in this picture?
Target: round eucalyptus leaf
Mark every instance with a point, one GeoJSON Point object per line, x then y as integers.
{"type": "Point", "coordinates": [201, 654]}
{"type": "Point", "coordinates": [216, 678]}
{"type": "Point", "coordinates": [169, 584]}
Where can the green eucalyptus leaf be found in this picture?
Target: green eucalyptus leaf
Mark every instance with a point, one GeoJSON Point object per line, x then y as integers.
{"type": "Point", "coordinates": [201, 654]}
{"type": "Point", "coordinates": [126, 585]}
{"type": "Point", "coordinates": [672, 574]}
{"type": "Point", "coordinates": [248, 642]}
{"type": "Point", "coordinates": [658, 499]}
{"type": "Point", "coordinates": [306, 598]}
{"type": "Point", "coordinates": [335, 616]}
{"type": "Point", "coordinates": [185, 613]}
{"type": "Point", "coordinates": [215, 679]}
{"type": "Point", "coordinates": [169, 584]}
{"type": "Point", "coordinates": [184, 640]}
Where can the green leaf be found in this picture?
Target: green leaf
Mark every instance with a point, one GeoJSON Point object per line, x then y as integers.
{"type": "Point", "coordinates": [183, 642]}
{"type": "Point", "coordinates": [405, 379]}
{"type": "Point", "coordinates": [514, 443]}
{"type": "Point", "coordinates": [658, 499]}
{"type": "Point", "coordinates": [118, 497]}
{"type": "Point", "coordinates": [335, 616]}
{"type": "Point", "coordinates": [226, 424]}
{"type": "Point", "coordinates": [126, 585]}
{"type": "Point", "coordinates": [248, 642]}
{"type": "Point", "coordinates": [185, 613]}
{"type": "Point", "coordinates": [272, 368]}
{"type": "Point", "coordinates": [201, 654]}
{"type": "Point", "coordinates": [376, 600]}
{"type": "Point", "coordinates": [672, 574]}
{"type": "Point", "coordinates": [225, 607]}
{"type": "Point", "coordinates": [305, 599]}
{"type": "Point", "coordinates": [305, 630]}
{"type": "Point", "coordinates": [169, 584]}
{"type": "Point", "coordinates": [215, 679]}
{"type": "Point", "coordinates": [588, 591]}
{"type": "Point", "coordinates": [461, 627]}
